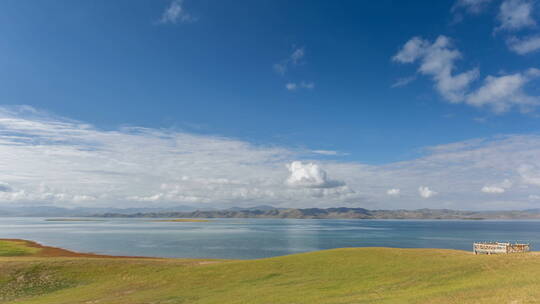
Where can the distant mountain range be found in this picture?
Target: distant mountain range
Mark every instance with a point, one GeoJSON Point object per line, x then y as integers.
{"type": "Point", "coordinates": [339, 213]}
{"type": "Point", "coordinates": [265, 211]}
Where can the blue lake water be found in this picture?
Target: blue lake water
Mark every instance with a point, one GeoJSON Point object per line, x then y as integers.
{"type": "Point", "coordinates": [259, 238]}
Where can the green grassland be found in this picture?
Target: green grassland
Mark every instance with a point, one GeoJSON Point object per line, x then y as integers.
{"type": "Point", "coordinates": [355, 275]}
{"type": "Point", "coordinates": [16, 248]}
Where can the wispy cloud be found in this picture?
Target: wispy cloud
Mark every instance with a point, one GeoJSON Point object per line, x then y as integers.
{"type": "Point", "coordinates": [471, 6]}
{"type": "Point", "coordinates": [280, 68]}
{"type": "Point", "coordinates": [493, 189]}
{"type": "Point", "coordinates": [515, 15]}
{"type": "Point", "coordinates": [524, 46]}
{"type": "Point", "coordinates": [327, 152]}
{"type": "Point", "coordinates": [291, 86]}
{"type": "Point", "coordinates": [52, 160]}
{"type": "Point", "coordinates": [401, 82]}
{"type": "Point", "coordinates": [176, 13]}
{"type": "Point", "coordinates": [297, 55]}
{"type": "Point", "coordinates": [293, 59]}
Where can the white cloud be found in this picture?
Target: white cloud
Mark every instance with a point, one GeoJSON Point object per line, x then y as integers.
{"type": "Point", "coordinates": [297, 55]}
{"type": "Point", "coordinates": [515, 15]}
{"type": "Point", "coordinates": [471, 6]}
{"type": "Point", "coordinates": [294, 59]}
{"type": "Point", "coordinates": [5, 187]}
{"type": "Point", "coordinates": [291, 86]}
{"type": "Point", "coordinates": [307, 85]}
{"type": "Point", "coordinates": [498, 187]}
{"type": "Point", "coordinates": [412, 50]}
{"type": "Point", "coordinates": [499, 93]}
{"type": "Point", "coordinates": [401, 82]}
{"type": "Point", "coordinates": [425, 192]}
{"type": "Point", "coordinates": [393, 192]}
{"type": "Point", "coordinates": [326, 152]}
{"type": "Point", "coordinates": [175, 13]}
{"type": "Point", "coordinates": [503, 92]}
{"type": "Point", "coordinates": [524, 46]}
{"type": "Point", "coordinates": [280, 68]}
{"type": "Point", "coordinates": [530, 174]}
{"type": "Point", "coordinates": [48, 160]}
{"type": "Point", "coordinates": [492, 189]}
{"type": "Point", "coordinates": [534, 197]}
{"type": "Point", "coordinates": [437, 60]}
{"type": "Point", "coordinates": [309, 175]}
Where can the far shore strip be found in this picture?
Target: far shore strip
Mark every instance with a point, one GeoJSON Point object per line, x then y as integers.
{"type": "Point", "coordinates": [183, 220]}
{"type": "Point", "coordinates": [72, 220]}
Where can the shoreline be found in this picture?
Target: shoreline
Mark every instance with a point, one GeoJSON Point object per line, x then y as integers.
{"type": "Point", "coordinates": [53, 252]}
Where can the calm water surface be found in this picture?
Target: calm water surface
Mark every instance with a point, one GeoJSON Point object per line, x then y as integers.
{"type": "Point", "coordinates": [259, 238]}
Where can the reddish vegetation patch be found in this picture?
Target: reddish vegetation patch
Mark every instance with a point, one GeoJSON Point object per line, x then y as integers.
{"type": "Point", "coordinates": [46, 251]}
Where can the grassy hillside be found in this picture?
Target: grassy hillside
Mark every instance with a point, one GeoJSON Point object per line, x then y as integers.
{"type": "Point", "coordinates": [16, 248]}
{"type": "Point", "coordinates": [359, 275]}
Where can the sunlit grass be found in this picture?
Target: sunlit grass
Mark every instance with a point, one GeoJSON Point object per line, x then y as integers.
{"type": "Point", "coordinates": [16, 248]}
{"type": "Point", "coordinates": [355, 275]}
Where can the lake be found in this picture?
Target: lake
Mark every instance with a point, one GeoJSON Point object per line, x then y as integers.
{"type": "Point", "coordinates": [260, 238]}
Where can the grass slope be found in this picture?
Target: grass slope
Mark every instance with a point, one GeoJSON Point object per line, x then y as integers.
{"type": "Point", "coordinates": [356, 275]}
{"type": "Point", "coordinates": [16, 248]}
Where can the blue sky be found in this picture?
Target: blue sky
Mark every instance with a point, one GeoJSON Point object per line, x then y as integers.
{"type": "Point", "coordinates": [331, 82]}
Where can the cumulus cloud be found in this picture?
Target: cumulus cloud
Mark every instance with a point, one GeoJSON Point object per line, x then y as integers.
{"type": "Point", "coordinates": [437, 60]}
{"type": "Point", "coordinates": [176, 13]}
{"type": "Point", "coordinates": [425, 192]}
{"type": "Point", "coordinates": [393, 192]}
{"type": "Point", "coordinates": [309, 175]}
{"type": "Point", "coordinates": [525, 45]}
{"type": "Point", "coordinates": [503, 92]}
{"type": "Point", "coordinates": [515, 14]}
{"type": "Point", "coordinates": [499, 93]}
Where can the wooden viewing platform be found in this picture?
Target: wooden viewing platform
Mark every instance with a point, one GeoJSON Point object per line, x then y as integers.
{"type": "Point", "coordinates": [500, 247]}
